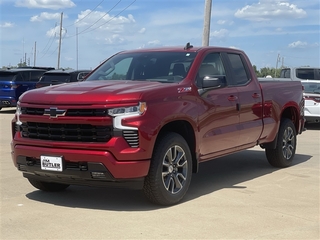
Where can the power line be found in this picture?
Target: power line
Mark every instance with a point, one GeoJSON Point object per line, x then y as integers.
{"type": "Point", "coordinates": [97, 20]}
{"type": "Point", "coordinates": [109, 19]}
{"type": "Point", "coordinates": [85, 15]}
{"type": "Point", "coordinates": [51, 37]}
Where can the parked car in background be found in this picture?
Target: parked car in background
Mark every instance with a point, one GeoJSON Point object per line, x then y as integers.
{"type": "Point", "coordinates": [14, 82]}
{"type": "Point", "coordinates": [55, 77]}
{"type": "Point", "coordinates": [312, 100]}
{"type": "Point", "coordinates": [301, 73]}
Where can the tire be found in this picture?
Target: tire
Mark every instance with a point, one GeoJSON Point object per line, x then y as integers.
{"type": "Point", "coordinates": [170, 170]}
{"type": "Point", "coordinates": [285, 150]}
{"type": "Point", "coordinates": [48, 186]}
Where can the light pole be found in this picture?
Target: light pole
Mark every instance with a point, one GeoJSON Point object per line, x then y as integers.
{"type": "Point", "coordinates": [207, 20]}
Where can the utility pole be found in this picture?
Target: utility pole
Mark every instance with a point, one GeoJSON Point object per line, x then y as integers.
{"type": "Point", "coordinates": [59, 51]}
{"type": "Point", "coordinates": [206, 25]}
{"type": "Point", "coordinates": [35, 52]}
{"type": "Point", "coordinates": [77, 52]}
{"type": "Point", "coordinates": [278, 60]}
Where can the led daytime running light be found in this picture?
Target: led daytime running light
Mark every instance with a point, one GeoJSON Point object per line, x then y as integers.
{"type": "Point", "coordinates": [133, 110]}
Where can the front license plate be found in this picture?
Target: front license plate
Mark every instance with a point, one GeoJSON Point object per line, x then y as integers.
{"type": "Point", "coordinates": [51, 163]}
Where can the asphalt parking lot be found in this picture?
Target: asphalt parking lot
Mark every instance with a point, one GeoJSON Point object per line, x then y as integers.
{"type": "Point", "coordinates": [235, 197]}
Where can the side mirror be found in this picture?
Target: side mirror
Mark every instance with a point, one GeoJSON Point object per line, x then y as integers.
{"type": "Point", "coordinates": [213, 81]}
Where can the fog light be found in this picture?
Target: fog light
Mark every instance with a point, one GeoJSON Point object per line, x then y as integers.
{"type": "Point", "coordinates": [99, 175]}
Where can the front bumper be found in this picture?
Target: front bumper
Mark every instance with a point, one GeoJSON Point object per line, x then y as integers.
{"type": "Point", "coordinates": [80, 167]}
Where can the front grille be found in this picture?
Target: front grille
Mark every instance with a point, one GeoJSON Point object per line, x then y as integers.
{"type": "Point", "coordinates": [87, 112]}
{"type": "Point", "coordinates": [132, 137]}
{"type": "Point", "coordinates": [32, 111]}
{"type": "Point", "coordinates": [66, 132]}
{"type": "Point", "coordinates": [70, 112]}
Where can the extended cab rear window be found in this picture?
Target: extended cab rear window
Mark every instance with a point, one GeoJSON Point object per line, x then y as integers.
{"type": "Point", "coordinates": [145, 66]}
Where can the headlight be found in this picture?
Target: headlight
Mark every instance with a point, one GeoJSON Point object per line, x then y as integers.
{"type": "Point", "coordinates": [18, 113]}
{"type": "Point", "coordinates": [134, 110]}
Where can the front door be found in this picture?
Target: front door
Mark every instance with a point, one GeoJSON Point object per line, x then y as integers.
{"type": "Point", "coordinates": [219, 117]}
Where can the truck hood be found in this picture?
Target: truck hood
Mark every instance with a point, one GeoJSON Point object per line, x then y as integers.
{"type": "Point", "coordinates": [95, 92]}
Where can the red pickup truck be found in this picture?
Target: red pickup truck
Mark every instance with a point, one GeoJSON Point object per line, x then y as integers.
{"type": "Point", "coordinates": [147, 118]}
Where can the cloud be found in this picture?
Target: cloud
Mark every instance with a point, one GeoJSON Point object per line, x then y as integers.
{"type": "Point", "coordinates": [222, 33]}
{"type": "Point", "coordinates": [115, 39]}
{"type": "Point", "coordinates": [142, 30]}
{"type": "Point", "coordinates": [269, 9]}
{"type": "Point", "coordinates": [298, 44]}
{"type": "Point", "coordinates": [92, 20]}
{"type": "Point", "coordinates": [6, 25]}
{"type": "Point", "coordinates": [46, 16]}
{"type": "Point", "coordinates": [151, 44]}
{"type": "Point", "coordinates": [54, 32]}
{"type": "Point", "coordinates": [50, 4]}
{"type": "Point", "coordinates": [224, 22]}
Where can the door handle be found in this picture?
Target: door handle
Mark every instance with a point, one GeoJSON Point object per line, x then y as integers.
{"type": "Point", "coordinates": [256, 95]}
{"type": "Point", "coordinates": [232, 98]}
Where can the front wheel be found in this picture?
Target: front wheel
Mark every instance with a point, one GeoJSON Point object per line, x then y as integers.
{"type": "Point", "coordinates": [170, 170]}
{"type": "Point", "coordinates": [285, 150]}
{"type": "Point", "coordinates": [48, 186]}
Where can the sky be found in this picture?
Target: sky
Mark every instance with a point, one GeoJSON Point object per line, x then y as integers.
{"type": "Point", "coordinates": [273, 33]}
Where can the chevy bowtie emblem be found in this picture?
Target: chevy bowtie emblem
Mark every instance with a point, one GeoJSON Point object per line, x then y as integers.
{"type": "Point", "coordinates": [54, 112]}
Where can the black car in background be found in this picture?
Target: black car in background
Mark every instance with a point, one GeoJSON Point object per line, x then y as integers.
{"type": "Point", "coordinates": [16, 81]}
{"type": "Point", "coordinates": [60, 76]}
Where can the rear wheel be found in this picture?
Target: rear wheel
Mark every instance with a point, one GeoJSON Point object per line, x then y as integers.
{"type": "Point", "coordinates": [48, 186]}
{"type": "Point", "coordinates": [284, 152]}
{"type": "Point", "coordinates": [170, 170]}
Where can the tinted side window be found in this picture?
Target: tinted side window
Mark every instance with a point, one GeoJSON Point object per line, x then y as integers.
{"type": "Point", "coordinates": [81, 75]}
{"type": "Point", "coordinates": [35, 76]}
{"type": "Point", "coordinates": [305, 74]}
{"type": "Point", "coordinates": [238, 68]}
{"type": "Point", "coordinates": [285, 73]}
{"type": "Point", "coordinates": [18, 77]}
{"type": "Point", "coordinates": [318, 74]}
{"type": "Point", "coordinates": [25, 76]}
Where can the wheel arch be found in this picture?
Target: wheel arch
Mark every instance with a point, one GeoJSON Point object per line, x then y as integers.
{"type": "Point", "coordinates": [290, 113]}
{"type": "Point", "coordinates": [185, 129]}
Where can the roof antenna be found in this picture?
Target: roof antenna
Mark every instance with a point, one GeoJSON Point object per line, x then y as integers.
{"type": "Point", "coordinates": [188, 46]}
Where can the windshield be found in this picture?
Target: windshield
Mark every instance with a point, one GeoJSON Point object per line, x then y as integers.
{"type": "Point", "coordinates": [311, 87]}
{"type": "Point", "coordinates": [145, 66]}
{"type": "Point", "coordinates": [51, 78]}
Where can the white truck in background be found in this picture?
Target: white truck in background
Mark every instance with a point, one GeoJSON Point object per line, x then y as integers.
{"type": "Point", "coordinates": [301, 73]}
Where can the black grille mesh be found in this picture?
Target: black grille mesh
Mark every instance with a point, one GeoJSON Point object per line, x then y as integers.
{"type": "Point", "coordinates": [70, 112]}
{"type": "Point", "coordinates": [66, 132]}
